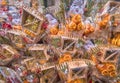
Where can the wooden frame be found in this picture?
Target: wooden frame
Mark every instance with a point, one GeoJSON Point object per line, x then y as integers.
{"type": "Point", "coordinates": [50, 75]}
{"type": "Point", "coordinates": [15, 37]}
{"type": "Point", "coordinates": [66, 69]}
{"type": "Point", "coordinates": [7, 54]}
{"type": "Point", "coordinates": [109, 4]}
{"type": "Point", "coordinates": [53, 8]}
{"type": "Point", "coordinates": [55, 41]}
{"type": "Point", "coordinates": [81, 68]}
{"type": "Point", "coordinates": [68, 42]}
{"type": "Point", "coordinates": [39, 48]}
{"type": "Point", "coordinates": [28, 63]}
{"type": "Point", "coordinates": [9, 73]}
{"type": "Point", "coordinates": [117, 18]}
{"type": "Point", "coordinates": [110, 55]}
{"type": "Point", "coordinates": [33, 28]}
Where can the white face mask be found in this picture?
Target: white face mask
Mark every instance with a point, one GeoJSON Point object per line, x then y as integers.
{"type": "Point", "coordinates": [77, 7]}
{"type": "Point", "coordinates": [16, 21]}
{"type": "Point", "coordinates": [52, 21]}
{"type": "Point", "coordinates": [49, 17]}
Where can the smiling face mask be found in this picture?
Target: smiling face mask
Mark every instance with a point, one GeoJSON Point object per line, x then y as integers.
{"type": "Point", "coordinates": [77, 7]}
{"type": "Point", "coordinates": [52, 21]}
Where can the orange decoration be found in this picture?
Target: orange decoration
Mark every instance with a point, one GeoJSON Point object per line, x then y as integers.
{"type": "Point", "coordinates": [113, 74]}
{"type": "Point", "coordinates": [101, 68]}
{"type": "Point", "coordinates": [42, 61]}
{"type": "Point", "coordinates": [93, 58]}
{"type": "Point", "coordinates": [3, 2]}
{"type": "Point", "coordinates": [19, 45]}
{"type": "Point", "coordinates": [115, 24]}
{"type": "Point", "coordinates": [104, 22]}
{"type": "Point", "coordinates": [60, 32]}
{"type": "Point", "coordinates": [118, 82]}
{"type": "Point", "coordinates": [72, 26]}
{"type": "Point", "coordinates": [80, 26]}
{"type": "Point", "coordinates": [29, 33]}
{"type": "Point", "coordinates": [54, 31]}
{"type": "Point", "coordinates": [107, 69]}
{"type": "Point", "coordinates": [17, 27]}
{"type": "Point", "coordinates": [67, 57]}
{"type": "Point", "coordinates": [75, 23]}
{"type": "Point", "coordinates": [61, 60]}
{"type": "Point", "coordinates": [111, 68]}
{"type": "Point", "coordinates": [25, 81]}
{"type": "Point", "coordinates": [32, 35]}
{"type": "Point", "coordinates": [89, 29]}
{"type": "Point", "coordinates": [105, 73]}
{"type": "Point", "coordinates": [76, 18]}
{"type": "Point", "coordinates": [75, 81]}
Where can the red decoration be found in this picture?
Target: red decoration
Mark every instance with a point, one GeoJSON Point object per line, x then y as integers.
{"type": "Point", "coordinates": [8, 80]}
{"type": "Point", "coordinates": [45, 25]}
{"type": "Point", "coordinates": [6, 26]}
{"type": "Point", "coordinates": [5, 9]}
{"type": "Point", "coordinates": [90, 81]}
{"type": "Point", "coordinates": [2, 57]}
{"type": "Point", "coordinates": [38, 70]}
{"type": "Point", "coordinates": [35, 80]}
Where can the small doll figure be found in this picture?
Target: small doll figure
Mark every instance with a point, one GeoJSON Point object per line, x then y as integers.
{"type": "Point", "coordinates": [52, 21]}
